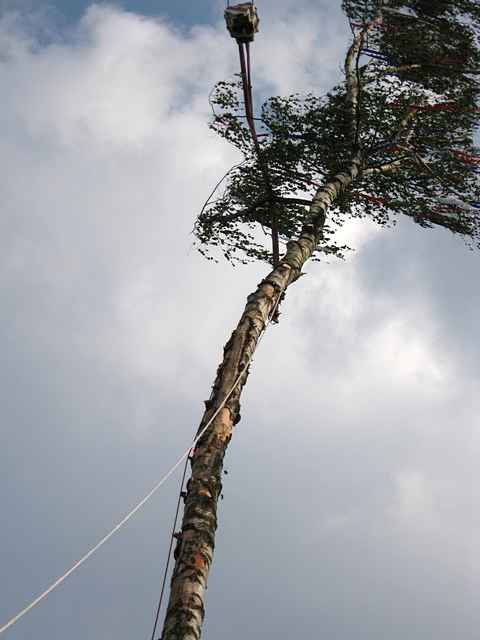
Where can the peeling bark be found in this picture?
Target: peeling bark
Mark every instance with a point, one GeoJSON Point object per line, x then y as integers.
{"type": "Point", "coordinates": [194, 554]}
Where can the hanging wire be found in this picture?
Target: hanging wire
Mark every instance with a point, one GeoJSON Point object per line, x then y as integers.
{"type": "Point", "coordinates": [149, 495]}
{"type": "Point", "coordinates": [169, 554]}
{"type": "Point", "coordinates": [246, 73]}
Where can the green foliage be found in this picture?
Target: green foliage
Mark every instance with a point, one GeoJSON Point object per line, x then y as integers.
{"type": "Point", "coordinates": [415, 123]}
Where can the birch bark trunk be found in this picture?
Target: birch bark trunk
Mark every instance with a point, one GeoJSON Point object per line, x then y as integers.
{"type": "Point", "coordinates": [194, 553]}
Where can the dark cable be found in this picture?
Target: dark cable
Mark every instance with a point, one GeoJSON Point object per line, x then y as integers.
{"type": "Point", "coordinates": [169, 555]}
{"type": "Point", "coordinates": [209, 199]}
{"type": "Point", "coordinates": [245, 66]}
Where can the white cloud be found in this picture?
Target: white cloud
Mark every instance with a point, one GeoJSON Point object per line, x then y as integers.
{"type": "Point", "coordinates": [110, 131]}
{"type": "Point", "coordinates": [413, 499]}
{"type": "Point", "coordinates": [123, 80]}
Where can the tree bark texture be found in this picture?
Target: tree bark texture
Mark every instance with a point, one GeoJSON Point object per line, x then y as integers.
{"type": "Point", "coordinates": [195, 546]}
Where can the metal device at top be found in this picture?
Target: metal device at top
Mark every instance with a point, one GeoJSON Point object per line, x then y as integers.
{"type": "Point", "coordinates": [242, 21]}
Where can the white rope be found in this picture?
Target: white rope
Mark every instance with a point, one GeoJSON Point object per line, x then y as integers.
{"type": "Point", "coordinates": [130, 515]}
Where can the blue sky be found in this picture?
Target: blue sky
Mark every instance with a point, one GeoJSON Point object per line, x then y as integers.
{"type": "Point", "coordinates": [182, 13]}
{"type": "Point", "coordinates": [187, 12]}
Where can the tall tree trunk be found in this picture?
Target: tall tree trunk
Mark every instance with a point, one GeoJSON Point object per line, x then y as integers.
{"type": "Point", "coordinates": [194, 552]}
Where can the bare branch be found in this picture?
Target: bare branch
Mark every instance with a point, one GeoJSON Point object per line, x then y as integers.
{"type": "Point", "coordinates": [231, 217]}
{"type": "Point", "coordinates": [353, 78]}
{"type": "Point", "coordinates": [394, 165]}
{"type": "Point", "coordinates": [301, 201]}
{"type": "Point", "coordinates": [447, 222]}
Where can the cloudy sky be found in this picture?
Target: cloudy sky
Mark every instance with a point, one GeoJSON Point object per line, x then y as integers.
{"type": "Point", "coordinates": [351, 502]}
